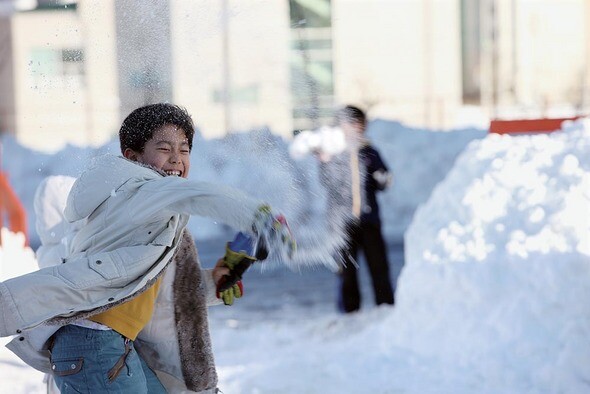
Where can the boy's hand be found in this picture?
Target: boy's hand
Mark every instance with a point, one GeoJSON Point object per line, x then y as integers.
{"type": "Point", "coordinates": [219, 271]}
{"type": "Point", "coordinates": [225, 291]}
{"type": "Point", "coordinates": [383, 179]}
{"type": "Point", "coordinates": [273, 234]}
{"type": "Point", "coordinates": [237, 259]}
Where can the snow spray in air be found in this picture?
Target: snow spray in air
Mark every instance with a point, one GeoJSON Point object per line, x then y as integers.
{"type": "Point", "coordinates": [259, 163]}
{"type": "Point", "coordinates": [328, 153]}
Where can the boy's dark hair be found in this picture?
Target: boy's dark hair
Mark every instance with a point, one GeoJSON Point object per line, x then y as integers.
{"type": "Point", "coordinates": [351, 114]}
{"type": "Point", "coordinates": [139, 126]}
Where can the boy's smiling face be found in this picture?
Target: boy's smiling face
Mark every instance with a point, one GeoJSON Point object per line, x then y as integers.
{"type": "Point", "coordinates": [168, 150]}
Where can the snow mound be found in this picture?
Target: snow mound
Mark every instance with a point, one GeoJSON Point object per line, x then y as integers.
{"type": "Point", "coordinates": [497, 273]}
{"type": "Point", "coordinates": [259, 163]}
{"type": "Point", "coordinates": [419, 159]}
{"type": "Point", "coordinates": [15, 258]}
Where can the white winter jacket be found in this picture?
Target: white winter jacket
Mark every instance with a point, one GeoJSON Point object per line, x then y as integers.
{"type": "Point", "coordinates": [54, 231]}
{"type": "Point", "coordinates": [135, 223]}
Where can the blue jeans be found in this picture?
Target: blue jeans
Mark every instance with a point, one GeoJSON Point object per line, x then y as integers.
{"type": "Point", "coordinates": [94, 361]}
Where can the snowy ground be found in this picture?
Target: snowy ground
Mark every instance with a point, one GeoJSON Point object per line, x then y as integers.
{"type": "Point", "coordinates": [492, 297]}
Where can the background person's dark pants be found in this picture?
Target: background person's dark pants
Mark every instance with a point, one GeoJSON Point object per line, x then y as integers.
{"type": "Point", "coordinates": [365, 236]}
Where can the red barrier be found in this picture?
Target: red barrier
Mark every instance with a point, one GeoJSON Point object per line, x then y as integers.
{"type": "Point", "coordinates": [13, 208]}
{"type": "Point", "coordinates": [527, 125]}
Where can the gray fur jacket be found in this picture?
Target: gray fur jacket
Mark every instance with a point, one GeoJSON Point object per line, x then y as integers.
{"type": "Point", "coordinates": [135, 227]}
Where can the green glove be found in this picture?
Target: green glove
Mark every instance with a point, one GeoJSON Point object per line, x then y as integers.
{"type": "Point", "coordinates": [238, 259]}
{"type": "Point", "coordinates": [228, 295]}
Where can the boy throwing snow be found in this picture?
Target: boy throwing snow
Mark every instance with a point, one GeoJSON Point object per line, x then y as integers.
{"type": "Point", "coordinates": [126, 310]}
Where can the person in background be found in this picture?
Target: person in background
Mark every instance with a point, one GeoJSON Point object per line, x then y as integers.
{"type": "Point", "coordinates": [353, 179]}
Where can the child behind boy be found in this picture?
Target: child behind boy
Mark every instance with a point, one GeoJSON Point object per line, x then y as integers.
{"type": "Point", "coordinates": [116, 291]}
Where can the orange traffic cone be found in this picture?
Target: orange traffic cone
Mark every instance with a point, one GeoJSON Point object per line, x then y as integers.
{"type": "Point", "coordinates": [12, 208]}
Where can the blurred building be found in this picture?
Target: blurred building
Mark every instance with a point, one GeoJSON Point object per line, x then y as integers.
{"type": "Point", "coordinates": [70, 71]}
{"type": "Point", "coordinates": [526, 58]}
{"type": "Point", "coordinates": [231, 64]}
{"type": "Point", "coordinates": [58, 77]}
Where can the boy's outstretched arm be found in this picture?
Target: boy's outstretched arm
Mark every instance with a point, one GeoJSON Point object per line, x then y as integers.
{"type": "Point", "coordinates": [171, 195]}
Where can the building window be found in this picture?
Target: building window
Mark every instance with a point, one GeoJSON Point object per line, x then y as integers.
{"type": "Point", "coordinates": [72, 62]}
{"type": "Point", "coordinates": [43, 63]}
{"type": "Point", "coordinates": [57, 68]}
{"type": "Point", "coordinates": [312, 13]}
{"type": "Point", "coordinates": [245, 95]}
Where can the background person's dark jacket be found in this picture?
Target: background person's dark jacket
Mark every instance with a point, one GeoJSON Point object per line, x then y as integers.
{"type": "Point", "coordinates": [336, 176]}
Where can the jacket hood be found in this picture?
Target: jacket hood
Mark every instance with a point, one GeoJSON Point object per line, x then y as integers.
{"type": "Point", "coordinates": [104, 176]}
{"type": "Point", "coordinates": [49, 203]}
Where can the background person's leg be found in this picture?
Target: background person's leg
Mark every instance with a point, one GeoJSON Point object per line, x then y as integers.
{"type": "Point", "coordinates": [350, 296]}
{"type": "Point", "coordinates": [376, 254]}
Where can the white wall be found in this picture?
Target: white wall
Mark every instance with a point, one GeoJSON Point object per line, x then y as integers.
{"type": "Point", "coordinates": [541, 57]}
{"type": "Point", "coordinates": [102, 83]}
{"type": "Point", "coordinates": [52, 110]}
{"type": "Point", "coordinates": [399, 58]}
{"type": "Point", "coordinates": [258, 54]}
{"type": "Point", "coordinates": [551, 51]}
{"type": "Point", "coordinates": [46, 103]}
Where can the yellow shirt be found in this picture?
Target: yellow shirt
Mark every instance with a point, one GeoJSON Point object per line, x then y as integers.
{"type": "Point", "coordinates": [129, 318]}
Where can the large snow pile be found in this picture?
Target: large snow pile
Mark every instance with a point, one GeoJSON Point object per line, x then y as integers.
{"type": "Point", "coordinates": [492, 299]}
{"type": "Point", "coordinates": [497, 274]}
{"type": "Point", "coordinates": [13, 250]}
{"type": "Point", "coordinates": [419, 160]}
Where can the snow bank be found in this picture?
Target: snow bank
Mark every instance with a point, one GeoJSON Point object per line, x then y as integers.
{"type": "Point", "coordinates": [492, 298]}
{"type": "Point", "coordinates": [419, 160]}
{"type": "Point", "coordinates": [497, 273]}
{"type": "Point", "coordinates": [258, 162]}
{"type": "Point", "coordinates": [16, 376]}
{"type": "Point", "coordinates": [13, 250]}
